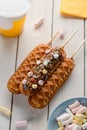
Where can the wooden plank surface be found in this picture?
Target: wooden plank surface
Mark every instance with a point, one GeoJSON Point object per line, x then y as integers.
{"type": "Point", "coordinates": [27, 41]}
{"type": "Point", "coordinates": [7, 64]}
{"type": "Point", "coordinates": [75, 86]}
{"type": "Point", "coordinates": [85, 67]}
{"type": "Point", "coordinates": [76, 80]}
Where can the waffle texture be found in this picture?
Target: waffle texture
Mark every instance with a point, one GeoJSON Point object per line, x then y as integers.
{"type": "Point", "coordinates": [26, 65]}
{"type": "Point", "coordinates": [43, 97]}
{"type": "Point", "coordinates": [28, 92]}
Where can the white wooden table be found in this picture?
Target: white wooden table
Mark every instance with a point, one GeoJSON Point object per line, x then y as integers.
{"type": "Point", "coordinates": [14, 50]}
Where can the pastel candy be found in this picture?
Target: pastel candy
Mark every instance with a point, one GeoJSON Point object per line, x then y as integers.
{"type": "Point", "coordinates": [69, 111]}
{"type": "Point", "coordinates": [75, 104]}
{"type": "Point", "coordinates": [38, 62]}
{"type": "Point", "coordinates": [82, 110]}
{"type": "Point", "coordinates": [76, 127]}
{"type": "Point", "coordinates": [84, 121]}
{"type": "Point", "coordinates": [75, 117]}
{"type": "Point", "coordinates": [61, 34]}
{"type": "Point", "coordinates": [30, 74]}
{"type": "Point", "coordinates": [70, 127]}
{"type": "Point", "coordinates": [63, 117]}
{"type": "Point", "coordinates": [5, 111]}
{"type": "Point", "coordinates": [84, 126]}
{"type": "Point", "coordinates": [70, 120]}
{"type": "Point", "coordinates": [78, 119]}
{"type": "Point", "coordinates": [77, 122]}
{"type": "Point", "coordinates": [81, 116]}
{"type": "Point", "coordinates": [60, 128]}
{"type": "Point", "coordinates": [21, 123]}
{"type": "Point", "coordinates": [41, 82]}
{"type": "Point", "coordinates": [60, 123]}
{"type": "Point", "coordinates": [66, 127]}
{"type": "Point", "coordinates": [39, 22]}
{"type": "Point", "coordinates": [76, 109]}
{"type": "Point", "coordinates": [24, 81]}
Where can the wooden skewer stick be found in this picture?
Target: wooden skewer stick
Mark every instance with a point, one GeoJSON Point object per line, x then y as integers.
{"type": "Point", "coordinates": [70, 37]}
{"type": "Point", "coordinates": [79, 47]}
{"type": "Point", "coordinates": [50, 42]}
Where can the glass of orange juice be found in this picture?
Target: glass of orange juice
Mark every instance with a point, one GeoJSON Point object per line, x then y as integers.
{"type": "Point", "coordinates": [12, 16]}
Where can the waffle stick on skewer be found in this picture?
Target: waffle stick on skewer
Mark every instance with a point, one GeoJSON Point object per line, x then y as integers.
{"type": "Point", "coordinates": [24, 89]}
{"type": "Point", "coordinates": [55, 82]}
{"type": "Point", "coordinates": [28, 64]}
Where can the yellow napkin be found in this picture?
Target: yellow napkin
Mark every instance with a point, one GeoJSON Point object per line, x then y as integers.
{"type": "Point", "coordinates": [74, 8]}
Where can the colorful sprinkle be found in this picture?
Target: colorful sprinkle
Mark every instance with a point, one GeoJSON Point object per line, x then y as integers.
{"type": "Point", "coordinates": [25, 87]}
{"type": "Point", "coordinates": [24, 81]}
{"type": "Point", "coordinates": [30, 74]}
{"type": "Point", "coordinates": [32, 80]}
{"type": "Point", "coordinates": [38, 62]}
{"type": "Point", "coordinates": [47, 51]}
{"type": "Point", "coordinates": [44, 71]}
{"type": "Point", "coordinates": [35, 76]}
{"type": "Point", "coordinates": [56, 55]}
{"type": "Point", "coordinates": [46, 61]}
{"type": "Point", "coordinates": [34, 86]}
{"type": "Point", "coordinates": [40, 82]}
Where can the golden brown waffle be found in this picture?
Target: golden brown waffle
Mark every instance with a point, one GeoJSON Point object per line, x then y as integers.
{"type": "Point", "coordinates": [23, 69]}
{"type": "Point", "coordinates": [28, 92]}
{"type": "Point", "coordinates": [42, 97]}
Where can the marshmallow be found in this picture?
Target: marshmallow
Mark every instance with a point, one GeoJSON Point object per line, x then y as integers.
{"type": "Point", "coordinates": [61, 33]}
{"type": "Point", "coordinates": [21, 123]}
{"type": "Point", "coordinates": [82, 110]}
{"type": "Point", "coordinates": [39, 22]}
{"type": "Point", "coordinates": [84, 126]}
{"type": "Point", "coordinates": [84, 121]}
{"type": "Point", "coordinates": [69, 112]}
{"type": "Point", "coordinates": [75, 104]}
{"type": "Point", "coordinates": [70, 127]}
{"type": "Point", "coordinates": [77, 119]}
{"type": "Point", "coordinates": [77, 122]}
{"type": "Point", "coordinates": [76, 127]}
{"type": "Point", "coordinates": [76, 109]}
{"type": "Point", "coordinates": [60, 123]}
{"type": "Point", "coordinates": [24, 81]}
{"type": "Point", "coordinates": [60, 128]}
{"type": "Point", "coordinates": [5, 111]}
{"type": "Point", "coordinates": [70, 120]}
{"type": "Point", "coordinates": [63, 117]}
{"type": "Point", "coordinates": [81, 116]}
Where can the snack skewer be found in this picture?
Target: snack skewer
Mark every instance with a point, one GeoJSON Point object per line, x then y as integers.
{"type": "Point", "coordinates": [21, 72]}
{"type": "Point", "coordinates": [41, 97]}
{"type": "Point", "coordinates": [67, 40]}
{"type": "Point", "coordinates": [70, 37]}
{"type": "Point", "coordinates": [24, 87]}
{"type": "Point", "coordinates": [78, 47]}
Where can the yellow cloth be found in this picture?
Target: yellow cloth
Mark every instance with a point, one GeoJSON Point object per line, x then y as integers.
{"type": "Point", "coordinates": [74, 8]}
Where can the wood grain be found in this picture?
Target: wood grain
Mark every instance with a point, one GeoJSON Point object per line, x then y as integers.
{"type": "Point", "coordinates": [14, 50]}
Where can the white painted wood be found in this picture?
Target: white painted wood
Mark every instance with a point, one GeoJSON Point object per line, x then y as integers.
{"type": "Point", "coordinates": [7, 63]}
{"type": "Point", "coordinates": [85, 60]}
{"type": "Point", "coordinates": [28, 40]}
{"type": "Point", "coordinates": [73, 87]}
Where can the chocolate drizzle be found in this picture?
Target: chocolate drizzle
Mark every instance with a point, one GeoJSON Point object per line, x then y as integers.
{"type": "Point", "coordinates": [43, 70]}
